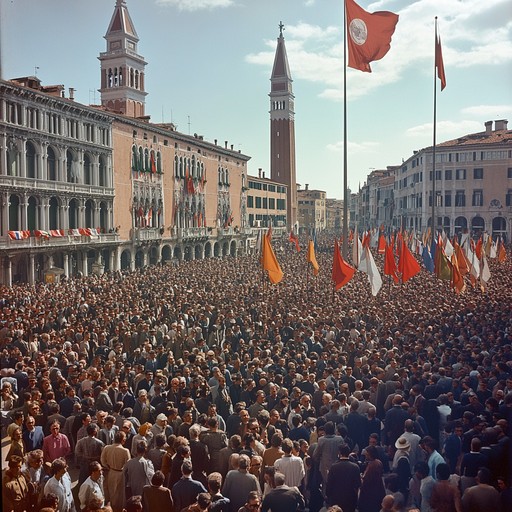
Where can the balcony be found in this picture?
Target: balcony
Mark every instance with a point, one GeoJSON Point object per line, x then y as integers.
{"type": "Point", "coordinates": [66, 241]}
{"type": "Point", "coordinates": [146, 234]}
{"type": "Point", "coordinates": [56, 187]}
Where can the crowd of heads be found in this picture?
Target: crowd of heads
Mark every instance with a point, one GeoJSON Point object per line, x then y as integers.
{"type": "Point", "coordinates": [201, 341]}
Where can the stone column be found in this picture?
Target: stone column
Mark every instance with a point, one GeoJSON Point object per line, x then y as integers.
{"type": "Point", "coordinates": [63, 213]}
{"type": "Point", "coordinates": [4, 204]}
{"type": "Point", "coordinates": [23, 158]}
{"type": "Point", "coordinates": [8, 271]}
{"type": "Point", "coordinates": [31, 271]}
{"type": "Point", "coordinates": [66, 264]}
{"type": "Point", "coordinates": [45, 213]}
{"type": "Point", "coordinates": [85, 270]}
{"type": "Point", "coordinates": [24, 212]}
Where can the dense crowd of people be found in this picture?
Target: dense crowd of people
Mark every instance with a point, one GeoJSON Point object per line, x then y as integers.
{"type": "Point", "coordinates": [200, 387]}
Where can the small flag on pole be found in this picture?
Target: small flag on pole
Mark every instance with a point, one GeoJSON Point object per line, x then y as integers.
{"type": "Point", "coordinates": [439, 63]}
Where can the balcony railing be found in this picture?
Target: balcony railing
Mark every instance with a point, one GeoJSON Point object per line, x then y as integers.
{"type": "Point", "coordinates": [67, 240]}
{"type": "Point", "coordinates": [56, 186]}
{"type": "Point", "coordinates": [147, 233]}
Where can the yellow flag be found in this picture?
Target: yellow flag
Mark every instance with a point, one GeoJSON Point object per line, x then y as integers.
{"type": "Point", "coordinates": [312, 258]}
{"type": "Point", "coordinates": [269, 261]}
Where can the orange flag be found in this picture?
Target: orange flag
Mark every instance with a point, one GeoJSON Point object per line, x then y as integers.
{"type": "Point", "coordinates": [458, 283]}
{"type": "Point", "coordinates": [502, 253]}
{"type": "Point", "coordinates": [410, 267]}
{"type": "Point", "coordinates": [342, 272]}
{"type": "Point", "coordinates": [389, 263]}
{"type": "Point", "coordinates": [269, 261]}
{"type": "Point", "coordinates": [312, 258]}
{"type": "Point", "coordinates": [462, 261]}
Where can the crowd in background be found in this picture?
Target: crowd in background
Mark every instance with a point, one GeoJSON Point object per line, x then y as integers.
{"type": "Point", "coordinates": [199, 386]}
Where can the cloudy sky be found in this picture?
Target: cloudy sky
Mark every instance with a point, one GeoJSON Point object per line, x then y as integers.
{"type": "Point", "coordinates": [209, 64]}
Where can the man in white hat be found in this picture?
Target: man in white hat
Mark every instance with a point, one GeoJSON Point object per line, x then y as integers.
{"type": "Point", "coordinates": [416, 454]}
{"type": "Point", "coordinates": [403, 448]}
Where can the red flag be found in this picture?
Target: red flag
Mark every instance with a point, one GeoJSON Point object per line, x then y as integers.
{"type": "Point", "coordinates": [368, 35]}
{"type": "Point", "coordinates": [294, 240]}
{"type": "Point", "coordinates": [478, 248]}
{"type": "Point", "coordinates": [153, 164]}
{"type": "Point", "coordinates": [382, 244]}
{"type": "Point", "coordinates": [389, 263]}
{"type": "Point", "coordinates": [439, 63]}
{"type": "Point", "coordinates": [410, 267]}
{"type": "Point", "coordinates": [342, 272]}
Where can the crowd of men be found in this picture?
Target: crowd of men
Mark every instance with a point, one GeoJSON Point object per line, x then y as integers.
{"type": "Point", "coordinates": [199, 386]}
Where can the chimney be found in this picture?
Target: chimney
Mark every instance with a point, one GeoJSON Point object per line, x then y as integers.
{"type": "Point", "coordinates": [225, 144]}
{"type": "Point", "coordinates": [307, 186]}
{"type": "Point", "coordinates": [259, 172]}
{"type": "Point", "coordinates": [488, 127]}
{"type": "Point", "coordinates": [500, 124]}
{"type": "Point", "coordinates": [215, 141]}
{"type": "Point", "coordinates": [231, 147]}
{"type": "Point", "coordinates": [72, 94]}
{"type": "Point", "coordinates": [263, 174]}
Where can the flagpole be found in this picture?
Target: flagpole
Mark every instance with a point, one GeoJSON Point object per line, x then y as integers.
{"type": "Point", "coordinates": [345, 175]}
{"type": "Point", "coordinates": [434, 140]}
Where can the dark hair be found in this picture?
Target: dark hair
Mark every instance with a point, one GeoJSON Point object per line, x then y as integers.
{"type": "Point", "coordinates": [158, 479]}
{"type": "Point", "coordinates": [443, 471]}
{"type": "Point", "coordinates": [329, 428]}
{"type": "Point", "coordinates": [134, 504]}
{"type": "Point", "coordinates": [344, 450]}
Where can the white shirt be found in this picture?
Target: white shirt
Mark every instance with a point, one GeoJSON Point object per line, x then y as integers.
{"type": "Point", "coordinates": [62, 488]}
{"type": "Point", "coordinates": [91, 489]}
{"type": "Point", "coordinates": [293, 469]}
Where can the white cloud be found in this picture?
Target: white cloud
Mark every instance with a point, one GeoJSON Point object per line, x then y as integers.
{"type": "Point", "coordinates": [445, 129]}
{"type": "Point", "coordinates": [488, 111]}
{"type": "Point", "coordinates": [354, 148]}
{"type": "Point", "coordinates": [309, 3]}
{"type": "Point", "coordinates": [474, 33]}
{"type": "Point", "coordinates": [195, 5]}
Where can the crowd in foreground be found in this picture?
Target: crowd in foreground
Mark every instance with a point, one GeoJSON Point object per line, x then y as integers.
{"type": "Point", "coordinates": [201, 387]}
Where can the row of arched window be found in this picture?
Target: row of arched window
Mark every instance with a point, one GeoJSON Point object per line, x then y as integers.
{"type": "Point", "coordinates": [188, 167]}
{"type": "Point", "coordinates": [61, 214]}
{"type": "Point", "coordinates": [116, 78]}
{"type": "Point", "coordinates": [146, 160]}
{"type": "Point", "coordinates": [30, 164]}
{"type": "Point", "coordinates": [223, 176]}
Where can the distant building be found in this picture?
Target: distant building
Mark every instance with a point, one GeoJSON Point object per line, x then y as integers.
{"type": "Point", "coordinates": [473, 187]}
{"type": "Point", "coordinates": [88, 189]}
{"type": "Point", "coordinates": [311, 210]}
{"type": "Point", "coordinates": [473, 184]}
{"type": "Point", "coordinates": [266, 202]}
{"type": "Point", "coordinates": [334, 215]}
{"type": "Point", "coordinates": [282, 129]}
{"type": "Point", "coordinates": [56, 177]}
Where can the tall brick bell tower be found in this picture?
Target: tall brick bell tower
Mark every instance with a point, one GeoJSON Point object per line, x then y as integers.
{"type": "Point", "coordinates": [282, 128]}
{"type": "Point", "coordinates": [122, 68]}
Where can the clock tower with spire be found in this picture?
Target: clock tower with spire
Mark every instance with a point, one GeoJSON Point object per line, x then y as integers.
{"type": "Point", "coordinates": [282, 128]}
{"type": "Point", "coordinates": [122, 68]}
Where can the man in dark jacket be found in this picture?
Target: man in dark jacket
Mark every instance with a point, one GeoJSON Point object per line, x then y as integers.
{"type": "Point", "coordinates": [282, 497]}
{"type": "Point", "coordinates": [345, 496]}
{"type": "Point", "coordinates": [186, 490]}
